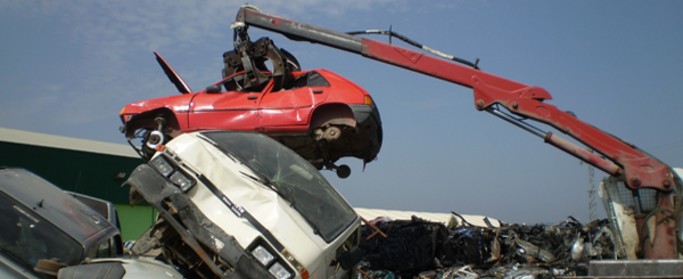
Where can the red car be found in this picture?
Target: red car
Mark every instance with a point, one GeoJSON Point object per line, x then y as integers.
{"type": "Point", "coordinates": [317, 113]}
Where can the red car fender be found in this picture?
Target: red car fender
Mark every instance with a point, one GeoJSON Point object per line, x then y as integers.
{"type": "Point", "coordinates": [141, 114]}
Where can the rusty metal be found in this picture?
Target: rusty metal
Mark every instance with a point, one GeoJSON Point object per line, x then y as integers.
{"type": "Point", "coordinates": [375, 228]}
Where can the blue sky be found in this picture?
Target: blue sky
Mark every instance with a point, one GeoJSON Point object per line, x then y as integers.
{"type": "Point", "coordinates": [67, 69]}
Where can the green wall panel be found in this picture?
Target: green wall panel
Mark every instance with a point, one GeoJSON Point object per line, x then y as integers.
{"type": "Point", "coordinates": [94, 174]}
{"type": "Point", "coordinates": [135, 219]}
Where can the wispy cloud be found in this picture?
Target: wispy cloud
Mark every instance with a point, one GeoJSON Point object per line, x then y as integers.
{"type": "Point", "coordinates": [117, 26]}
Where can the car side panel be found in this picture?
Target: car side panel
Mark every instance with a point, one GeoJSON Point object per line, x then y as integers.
{"type": "Point", "coordinates": [227, 110]}
{"type": "Point", "coordinates": [287, 108]}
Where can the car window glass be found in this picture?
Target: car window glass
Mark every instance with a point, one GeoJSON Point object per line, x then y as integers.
{"type": "Point", "coordinates": [310, 79]}
{"type": "Point", "coordinates": [30, 238]}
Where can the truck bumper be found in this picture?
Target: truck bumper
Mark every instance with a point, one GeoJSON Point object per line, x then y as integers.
{"type": "Point", "coordinates": [193, 226]}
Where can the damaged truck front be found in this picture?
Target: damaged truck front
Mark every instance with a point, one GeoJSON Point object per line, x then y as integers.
{"type": "Point", "coordinates": [241, 205]}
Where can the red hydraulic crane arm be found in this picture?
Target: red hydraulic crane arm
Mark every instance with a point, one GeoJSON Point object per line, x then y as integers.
{"type": "Point", "coordinates": [639, 168]}
{"type": "Point", "coordinates": [616, 157]}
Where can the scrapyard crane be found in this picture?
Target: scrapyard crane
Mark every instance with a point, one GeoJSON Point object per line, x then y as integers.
{"type": "Point", "coordinates": [635, 168]}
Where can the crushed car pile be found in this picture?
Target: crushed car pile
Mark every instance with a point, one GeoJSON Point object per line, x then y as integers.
{"type": "Point", "coordinates": [424, 249]}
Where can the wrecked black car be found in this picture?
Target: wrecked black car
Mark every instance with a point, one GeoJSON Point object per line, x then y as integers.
{"type": "Point", "coordinates": [50, 233]}
{"type": "Point", "coordinates": [46, 228]}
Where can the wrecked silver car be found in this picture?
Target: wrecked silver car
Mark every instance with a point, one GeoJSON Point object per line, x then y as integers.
{"type": "Point", "coordinates": [120, 268]}
{"type": "Point", "coordinates": [239, 204]}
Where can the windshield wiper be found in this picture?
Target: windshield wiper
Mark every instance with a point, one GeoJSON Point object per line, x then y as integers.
{"type": "Point", "coordinates": [226, 152]}
{"type": "Point", "coordinates": [261, 179]}
{"type": "Point", "coordinates": [275, 187]}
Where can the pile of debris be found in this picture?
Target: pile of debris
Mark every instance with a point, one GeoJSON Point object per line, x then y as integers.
{"type": "Point", "coordinates": [424, 249]}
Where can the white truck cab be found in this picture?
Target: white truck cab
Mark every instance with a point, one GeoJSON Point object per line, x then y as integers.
{"type": "Point", "coordinates": [626, 210]}
{"type": "Point", "coordinates": [241, 205]}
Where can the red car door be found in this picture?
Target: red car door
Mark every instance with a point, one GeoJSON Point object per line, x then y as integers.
{"type": "Point", "coordinates": [224, 110]}
{"type": "Point", "coordinates": [286, 110]}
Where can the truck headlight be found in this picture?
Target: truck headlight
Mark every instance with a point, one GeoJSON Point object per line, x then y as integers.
{"type": "Point", "coordinates": [271, 260]}
{"type": "Point", "coordinates": [279, 271]}
{"type": "Point", "coordinates": [161, 165]}
{"type": "Point", "coordinates": [171, 171]}
{"type": "Point", "coordinates": [262, 255]}
{"type": "Point", "coordinates": [182, 181]}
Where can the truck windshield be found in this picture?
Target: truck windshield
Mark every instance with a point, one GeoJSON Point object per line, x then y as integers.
{"type": "Point", "coordinates": [27, 237]}
{"type": "Point", "coordinates": [294, 178]}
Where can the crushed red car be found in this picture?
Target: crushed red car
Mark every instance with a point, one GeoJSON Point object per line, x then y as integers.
{"type": "Point", "coordinates": [317, 113]}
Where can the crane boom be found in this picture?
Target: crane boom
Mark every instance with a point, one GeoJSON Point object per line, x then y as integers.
{"type": "Point", "coordinates": [614, 156]}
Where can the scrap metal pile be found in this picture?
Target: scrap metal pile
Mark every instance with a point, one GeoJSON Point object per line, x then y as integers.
{"type": "Point", "coordinates": [424, 249]}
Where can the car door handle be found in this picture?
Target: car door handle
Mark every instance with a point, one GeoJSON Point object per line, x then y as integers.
{"type": "Point", "coordinates": [252, 97]}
